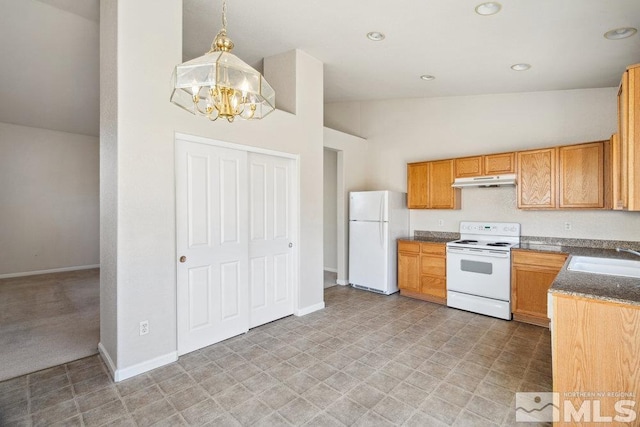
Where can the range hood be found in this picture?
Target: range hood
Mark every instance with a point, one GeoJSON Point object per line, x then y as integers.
{"type": "Point", "coordinates": [485, 181]}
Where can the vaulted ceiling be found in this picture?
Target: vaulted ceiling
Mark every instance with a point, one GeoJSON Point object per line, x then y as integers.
{"type": "Point", "coordinates": [50, 48]}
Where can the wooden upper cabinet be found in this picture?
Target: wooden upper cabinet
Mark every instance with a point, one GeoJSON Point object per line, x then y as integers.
{"type": "Point", "coordinates": [629, 134]}
{"type": "Point", "coordinates": [581, 176]}
{"type": "Point", "coordinates": [469, 166]}
{"type": "Point", "coordinates": [441, 194]}
{"type": "Point", "coordinates": [618, 174]}
{"type": "Point", "coordinates": [417, 197]}
{"type": "Point", "coordinates": [429, 185]}
{"type": "Point", "coordinates": [492, 164]}
{"type": "Point", "coordinates": [497, 164]}
{"type": "Point", "coordinates": [537, 178]}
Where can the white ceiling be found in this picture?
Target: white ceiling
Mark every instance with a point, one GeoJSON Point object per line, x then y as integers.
{"type": "Point", "coordinates": [50, 48]}
{"type": "Point", "coordinates": [468, 53]}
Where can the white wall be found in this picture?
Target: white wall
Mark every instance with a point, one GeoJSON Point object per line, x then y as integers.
{"type": "Point", "coordinates": [352, 173]}
{"type": "Point", "coordinates": [48, 200]}
{"type": "Point", "coordinates": [330, 209]}
{"type": "Point", "coordinates": [50, 66]}
{"type": "Point", "coordinates": [145, 258]}
{"type": "Point", "coordinates": [401, 131]}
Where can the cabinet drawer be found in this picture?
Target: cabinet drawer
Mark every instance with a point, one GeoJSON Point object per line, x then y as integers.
{"type": "Point", "coordinates": [433, 248]}
{"type": "Point", "coordinates": [434, 266]}
{"type": "Point", "coordinates": [435, 286]}
{"type": "Point", "coordinates": [406, 246]}
{"type": "Point", "coordinates": [542, 259]}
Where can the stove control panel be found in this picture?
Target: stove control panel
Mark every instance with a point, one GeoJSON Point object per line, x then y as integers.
{"type": "Point", "coordinates": [490, 228]}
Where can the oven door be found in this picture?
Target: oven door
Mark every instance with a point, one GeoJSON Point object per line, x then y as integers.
{"type": "Point", "coordinates": [481, 272]}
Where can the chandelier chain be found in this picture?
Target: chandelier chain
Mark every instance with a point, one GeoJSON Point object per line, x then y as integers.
{"type": "Point", "coordinates": [224, 15]}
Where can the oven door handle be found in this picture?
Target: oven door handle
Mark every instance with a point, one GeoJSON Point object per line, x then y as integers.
{"type": "Point", "coordinates": [478, 252]}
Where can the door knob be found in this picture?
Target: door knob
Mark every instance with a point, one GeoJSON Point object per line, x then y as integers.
{"type": "Point", "coordinates": [290, 245]}
{"type": "Point", "coordinates": [183, 258]}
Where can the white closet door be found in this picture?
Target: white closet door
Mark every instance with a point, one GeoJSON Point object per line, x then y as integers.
{"type": "Point", "coordinates": [271, 238]}
{"type": "Point", "coordinates": [212, 235]}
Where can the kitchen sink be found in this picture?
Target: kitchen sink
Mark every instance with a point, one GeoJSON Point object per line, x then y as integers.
{"type": "Point", "coordinates": [608, 266]}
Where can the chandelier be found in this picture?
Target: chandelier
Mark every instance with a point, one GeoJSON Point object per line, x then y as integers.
{"type": "Point", "coordinates": [219, 84]}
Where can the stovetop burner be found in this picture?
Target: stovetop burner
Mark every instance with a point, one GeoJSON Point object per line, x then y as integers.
{"type": "Point", "coordinates": [500, 244]}
{"type": "Point", "coordinates": [466, 242]}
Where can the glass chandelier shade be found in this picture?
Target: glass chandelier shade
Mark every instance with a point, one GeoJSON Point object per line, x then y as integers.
{"type": "Point", "coordinates": [219, 84]}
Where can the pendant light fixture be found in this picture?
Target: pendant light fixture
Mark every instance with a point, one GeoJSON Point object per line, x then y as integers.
{"type": "Point", "coordinates": [219, 84]}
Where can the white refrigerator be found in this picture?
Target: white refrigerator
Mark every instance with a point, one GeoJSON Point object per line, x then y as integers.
{"type": "Point", "coordinates": [377, 219]}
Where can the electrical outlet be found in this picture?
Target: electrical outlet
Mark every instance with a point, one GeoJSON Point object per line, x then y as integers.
{"type": "Point", "coordinates": [441, 222]}
{"type": "Point", "coordinates": [144, 327]}
{"type": "Point", "coordinates": [567, 226]}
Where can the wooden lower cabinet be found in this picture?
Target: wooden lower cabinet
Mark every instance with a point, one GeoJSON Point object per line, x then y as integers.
{"type": "Point", "coordinates": [409, 266]}
{"type": "Point", "coordinates": [422, 270]}
{"type": "Point", "coordinates": [596, 361]}
{"type": "Point", "coordinates": [532, 273]}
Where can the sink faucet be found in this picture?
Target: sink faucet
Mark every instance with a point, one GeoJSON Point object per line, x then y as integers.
{"type": "Point", "coordinates": [631, 251]}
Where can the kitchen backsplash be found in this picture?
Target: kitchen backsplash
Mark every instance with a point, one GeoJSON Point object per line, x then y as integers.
{"type": "Point", "coordinates": [499, 205]}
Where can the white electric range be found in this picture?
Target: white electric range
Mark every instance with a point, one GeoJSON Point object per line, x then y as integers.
{"type": "Point", "coordinates": [479, 268]}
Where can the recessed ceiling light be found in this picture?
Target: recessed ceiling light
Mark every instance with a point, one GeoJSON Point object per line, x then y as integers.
{"type": "Point", "coordinates": [520, 67]}
{"type": "Point", "coordinates": [620, 33]}
{"type": "Point", "coordinates": [375, 36]}
{"type": "Point", "coordinates": [427, 77]}
{"type": "Point", "coordinates": [489, 8]}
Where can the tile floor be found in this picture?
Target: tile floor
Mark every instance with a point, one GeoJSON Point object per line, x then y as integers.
{"type": "Point", "coordinates": [366, 360]}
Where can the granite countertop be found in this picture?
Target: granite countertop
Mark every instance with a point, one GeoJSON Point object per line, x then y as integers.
{"type": "Point", "coordinates": [429, 239]}
{"type": "Point", "coordinates": [625, 290]}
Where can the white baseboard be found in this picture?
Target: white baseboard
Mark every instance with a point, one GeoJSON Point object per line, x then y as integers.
{"type": "Point", "coordinates": [107, 359]}
{"type": "Point", "coordinates": [330, 270]}
{"type": "Point", "coordinates": [342, 282]}
{"type": "Point", "coordinates": [140, 368]}
{"type": "Point", "coordinates": [53, 270]}
{"type": "Point", "coordinates": [310, 309]}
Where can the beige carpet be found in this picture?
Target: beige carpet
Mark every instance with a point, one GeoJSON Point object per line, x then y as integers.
{"type": "Point", "coordinates": [48, 320]}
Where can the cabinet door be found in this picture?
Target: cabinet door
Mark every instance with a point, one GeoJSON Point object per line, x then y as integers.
{"type": "Point", "coordinates": [581, 176]}
{"type": "Point", "coordinates": [532, 273]}
{"type": "Point", "coordinates": [618, 175]}
{"type": "Point", "coordinates": [529, 290]}
{"type": "Point", "coordinates": [434, 286]}
{"type": "Point", "coordinates": [433, 265]}
{"type": "Point", "coordinates": [633, 138]}
{"type": "Point", "coordinates": [496, 164]}
{"type": "Point", "coordinates": [537, 179]}
{"type": "Point", "coordinates": [409, 271]}
{"type": "Point", "coordinates": [469, 166]}
{"type": "Point", "coordinates": [623, 143]}
{"type": "Point", "coordinates": [417, 197]}
{"type": "Point", "coordinates": [441, 194]}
